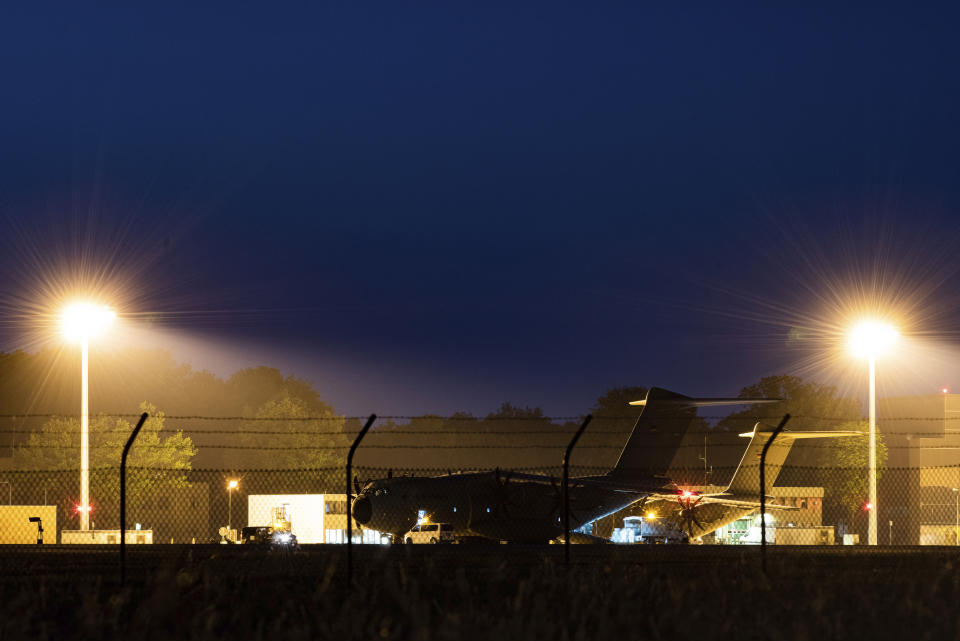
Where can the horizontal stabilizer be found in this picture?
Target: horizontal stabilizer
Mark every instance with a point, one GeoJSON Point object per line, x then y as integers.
{"type": "Point", "coordinates": [708, 402]}
{"type": "Point", "coordinates": [796, 435]}
{"type": "Point", "coordinates": [746, 479]}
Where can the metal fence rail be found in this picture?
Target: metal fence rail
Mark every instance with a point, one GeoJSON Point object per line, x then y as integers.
{"type": "Point", "coordinates": [509, 480]}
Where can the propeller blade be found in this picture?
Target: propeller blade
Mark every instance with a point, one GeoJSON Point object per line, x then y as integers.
{"type": "Point", "coordinates": [356, 484]}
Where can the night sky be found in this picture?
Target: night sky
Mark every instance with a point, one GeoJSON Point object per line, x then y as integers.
{"type": "Point", "coordinates": [436, 208]}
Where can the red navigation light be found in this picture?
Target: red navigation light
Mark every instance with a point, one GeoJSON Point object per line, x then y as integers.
{"type": "Point", "coordinates": [686, 494]}
{"type": "Point", "coordinates": [868, 506]}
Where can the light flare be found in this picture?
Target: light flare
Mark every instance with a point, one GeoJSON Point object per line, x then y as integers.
{"type": "Point", "coordinates": [871, 338]}
{"type": "Point", "coordinates": [83, 320]}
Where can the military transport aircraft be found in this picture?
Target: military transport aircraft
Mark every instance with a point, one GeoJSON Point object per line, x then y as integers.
{"type": "Point", "coordinates": [519, 507]}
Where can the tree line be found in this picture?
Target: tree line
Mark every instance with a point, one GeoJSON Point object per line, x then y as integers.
{"type": "Point", "coordinates": [278, 435]}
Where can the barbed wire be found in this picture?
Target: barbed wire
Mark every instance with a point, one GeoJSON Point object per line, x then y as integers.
{"type": "Point", "coordinates": [440, 432]}
{"type": "Point", "coordinates": [528, 446]}
{"type": "Point", "coordinates": [453, 470]}
{"type": "Point", "coordinates": [479, 419]}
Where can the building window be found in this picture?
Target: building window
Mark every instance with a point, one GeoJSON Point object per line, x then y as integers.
{"type": "Point", "coordinates": [335, 507]}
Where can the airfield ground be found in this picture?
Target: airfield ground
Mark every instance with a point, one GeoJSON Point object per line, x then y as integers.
{"type": "Point", "coordinates": [480, 592]}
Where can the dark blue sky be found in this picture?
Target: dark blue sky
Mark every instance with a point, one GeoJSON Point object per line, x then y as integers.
{"type": "Point", "coordinates": [441, 208]}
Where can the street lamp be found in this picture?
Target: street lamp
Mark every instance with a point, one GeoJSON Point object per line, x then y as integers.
{"type": "Point", "coordinates": [83, 321]}
{"type": "Point", "coordinates": [232, 484]}
{"type": "Point", "coordinates": [869, 339]}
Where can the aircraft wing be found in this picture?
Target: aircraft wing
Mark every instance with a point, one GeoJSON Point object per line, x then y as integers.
{"type": "Point", "coordinates": [595, 481]}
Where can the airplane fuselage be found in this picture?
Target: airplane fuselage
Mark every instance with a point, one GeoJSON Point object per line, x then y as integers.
{"type": "Point", "coordinates": [486, 504]}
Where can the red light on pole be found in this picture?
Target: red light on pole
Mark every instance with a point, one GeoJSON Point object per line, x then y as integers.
{"type": "Point", "coordinates": [868, 506]}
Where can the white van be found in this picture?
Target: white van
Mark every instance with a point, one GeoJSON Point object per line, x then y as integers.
{"type": "Point", "coordinates": [430, 533]}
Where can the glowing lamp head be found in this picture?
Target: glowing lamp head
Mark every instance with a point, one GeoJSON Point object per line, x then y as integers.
{"type": "Point", "coordinates": [85, 320]}
{"type": "Point", "coordinates": [869, 339]}
{"type": "Point", "coordinates": [651, 515]}
{"type": "Point", "coordinates": [232, 484]}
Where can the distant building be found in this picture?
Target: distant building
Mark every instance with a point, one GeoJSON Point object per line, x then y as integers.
{"type": "Point", "coordinates": [922, 434]}
{"type": "Point", "coordinates": [314, 518]}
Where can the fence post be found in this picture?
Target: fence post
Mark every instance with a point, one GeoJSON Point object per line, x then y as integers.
{"type": "Point", "coordinates": [566, 487]}
{"type": "Point", "coordinates": [763, 490]}
{"type": "Point", "coordinates": [123, 498]}
{"type": "Point", "coordinates": [353, 448]}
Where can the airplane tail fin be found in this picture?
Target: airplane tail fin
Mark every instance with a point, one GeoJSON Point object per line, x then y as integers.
{"type": "Point", "coordinates": [665, 419]}
{"type": "Point", "coordinates": [746, 478]}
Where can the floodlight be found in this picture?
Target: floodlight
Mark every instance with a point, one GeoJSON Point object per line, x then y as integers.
{"type": "Point", "coordinates": [85, 320]}
{"type": "Point", "coordinates": [82, 321]}
{"type": "Point", "coordinates": [869, 339]}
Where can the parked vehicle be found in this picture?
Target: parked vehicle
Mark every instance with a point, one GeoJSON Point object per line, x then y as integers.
{"type": "Point", "coordinates": [430, 533]}
{"type": "Point", "coordinates": [267, 535]}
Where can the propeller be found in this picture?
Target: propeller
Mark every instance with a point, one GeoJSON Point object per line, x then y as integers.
{"type": "Point", "coordinates": [501, 493]}
{"type": "Point", "coordinates": [688, 515]}
{"type": "Point", "coordinates": [557, 506]}
{"type": "Point", "coordinates": [356, 484]}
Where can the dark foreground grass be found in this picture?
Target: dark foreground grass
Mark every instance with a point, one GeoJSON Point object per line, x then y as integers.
{"type": "Point", "coordinates": [495, 592]}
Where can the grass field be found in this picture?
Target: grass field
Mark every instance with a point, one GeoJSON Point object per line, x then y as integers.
{"type": "Point", "coordinates": [480, 592]}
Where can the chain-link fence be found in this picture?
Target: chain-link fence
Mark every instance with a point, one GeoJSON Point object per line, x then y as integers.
{"type": "Point", "coordinates": [681, 478]}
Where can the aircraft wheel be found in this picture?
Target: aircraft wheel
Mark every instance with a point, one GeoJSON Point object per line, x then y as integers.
{"type": "Point", "coordinates": [409, 541]}
{"type": "Point", "coordinates": [433, 539]}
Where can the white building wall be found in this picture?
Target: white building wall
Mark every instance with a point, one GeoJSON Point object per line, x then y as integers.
{"type": "Point", "coordinates": [305, 512]}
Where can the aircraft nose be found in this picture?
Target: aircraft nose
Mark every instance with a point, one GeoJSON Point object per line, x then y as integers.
{"type": "Point", "coordinates": [362, 510]}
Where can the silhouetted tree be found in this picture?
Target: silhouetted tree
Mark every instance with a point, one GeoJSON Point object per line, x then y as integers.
{"type": "Point", "coordinates": [286, 440]}
{"type": "Point", "coordinates": [156, 464]}
{"type": "Point", "coordinates": [849, 468]}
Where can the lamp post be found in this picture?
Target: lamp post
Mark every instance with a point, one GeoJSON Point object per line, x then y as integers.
{"type": "Point", "coordinates": [232, 484]}
{"type": "Point", "coordinates": [82, 321]}
{"type": "Point", "coordinates": [869, 339]}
